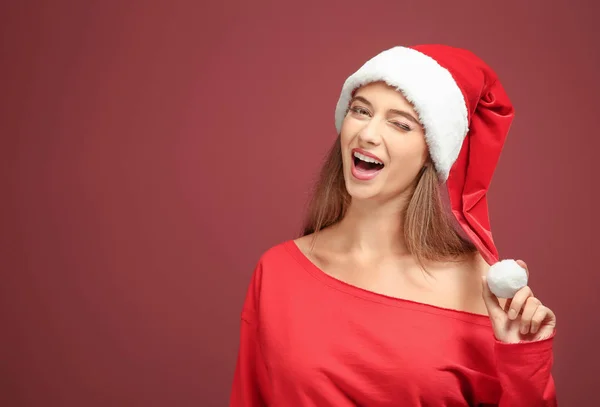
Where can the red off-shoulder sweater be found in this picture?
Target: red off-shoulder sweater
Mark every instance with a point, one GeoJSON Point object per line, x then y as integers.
{"type": "Point", "coordinates": [308, 339]}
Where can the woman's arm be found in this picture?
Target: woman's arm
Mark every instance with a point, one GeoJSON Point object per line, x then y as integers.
{"type": "Point", "coordinates": [524, 330]}
{"type": "Point", "coordinates": [250, 377]}
{"type": "Point", "coordinates": [524, 372]}
{"type": "Point", "coordinates": [250, 372]}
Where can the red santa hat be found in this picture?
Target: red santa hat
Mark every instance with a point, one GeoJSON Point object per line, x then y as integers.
{"type": "Point", "coordinates": [466, 115]}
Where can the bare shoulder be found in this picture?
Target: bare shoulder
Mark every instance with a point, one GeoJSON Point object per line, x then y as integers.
{"type": "Point", "coordinates": [478, 265]}
{"type": "Point", "coordinates": [318, 248]}
{"type": "Point", "coordinates": [480, 269]}
{"type": "Point", "coordinates": [312, 245]}
{"type": "Point", "coordinates": [308, 243]}
{"type": "Point", "coordinates": [304, 242]}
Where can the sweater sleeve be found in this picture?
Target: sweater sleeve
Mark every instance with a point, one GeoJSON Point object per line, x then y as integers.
{"type": "Point", "coordinates": [250, 376]}
{"type": "Point", "coordinates": [524, 372]}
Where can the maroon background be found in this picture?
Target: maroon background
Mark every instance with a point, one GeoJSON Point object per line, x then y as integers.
{"type": "Point", "coordinates": [152, 151]}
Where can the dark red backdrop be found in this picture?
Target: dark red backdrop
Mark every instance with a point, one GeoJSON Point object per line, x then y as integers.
{"type": "Point", "coordinates": [151, 152]}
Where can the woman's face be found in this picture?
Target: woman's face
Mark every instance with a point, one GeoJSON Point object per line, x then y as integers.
{"type": "Point", "coordinates": [383, 143]}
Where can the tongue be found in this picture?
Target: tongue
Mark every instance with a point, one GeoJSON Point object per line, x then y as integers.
{"type": "Point", "coordinates": [367, 167]}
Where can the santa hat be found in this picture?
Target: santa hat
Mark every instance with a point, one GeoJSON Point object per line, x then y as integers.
{"type": "Point", "coordinates": [466, 115]}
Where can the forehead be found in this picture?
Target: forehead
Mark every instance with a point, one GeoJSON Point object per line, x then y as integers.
{"type": "Point", "coordinates": [381, 92]}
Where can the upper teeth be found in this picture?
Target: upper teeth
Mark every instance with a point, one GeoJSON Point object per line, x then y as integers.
{"type": "Point", "coordinates": [365, 158]}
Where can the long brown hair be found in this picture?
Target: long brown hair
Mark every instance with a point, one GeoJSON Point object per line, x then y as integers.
{"type": "Point", "coordinates": [428, 229]}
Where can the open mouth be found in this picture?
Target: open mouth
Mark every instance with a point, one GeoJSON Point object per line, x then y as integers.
{"type": "Point", "coordinates": [365, 167]}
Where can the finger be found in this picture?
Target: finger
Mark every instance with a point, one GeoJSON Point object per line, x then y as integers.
{"type": "Point", "coordinates": [507, 305]}
{"type": "Point", "coordinates": [491, 301]}
{"type": "Point", "coordinates": [531, 306]}
{"type": "Point", "coordinates": [518, 301]}
{"type": "Point", "coordinates": [538, 318]}
{"type": "Point", "coordinates": [524, 265]}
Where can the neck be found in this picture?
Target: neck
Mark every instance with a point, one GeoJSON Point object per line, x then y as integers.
{"type": "Point", "coordinates": [370, 228]}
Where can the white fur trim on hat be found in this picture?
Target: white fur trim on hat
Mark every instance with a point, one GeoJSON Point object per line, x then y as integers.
{"type": "Point", "coordinates": [431, 89]}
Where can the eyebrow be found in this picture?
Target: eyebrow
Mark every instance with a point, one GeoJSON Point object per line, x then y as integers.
{"type": "Point", "coordinates": [395, 111]}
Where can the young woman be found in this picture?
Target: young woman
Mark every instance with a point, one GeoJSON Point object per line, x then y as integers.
{"type": "Point", "coordinates": [383, 300]}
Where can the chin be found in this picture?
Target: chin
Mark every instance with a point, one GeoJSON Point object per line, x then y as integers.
{"type": "Point", "coordinates": [360, 190]}
{"type": "Point", "coordinates": [362, 194]}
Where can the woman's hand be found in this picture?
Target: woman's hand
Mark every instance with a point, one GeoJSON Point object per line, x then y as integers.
{"type": "Point", "coordinates": [523, 318]}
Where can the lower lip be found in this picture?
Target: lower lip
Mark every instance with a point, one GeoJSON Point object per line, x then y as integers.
{"type": "Point", "coordinates": [363, 175]}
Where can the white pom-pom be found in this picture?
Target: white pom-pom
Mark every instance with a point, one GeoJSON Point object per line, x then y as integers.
{"type": "Point", "coordinates": [505, 278]}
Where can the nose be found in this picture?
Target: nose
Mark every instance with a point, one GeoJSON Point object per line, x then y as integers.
{"type": "Point", "coordinates": [370, 134]}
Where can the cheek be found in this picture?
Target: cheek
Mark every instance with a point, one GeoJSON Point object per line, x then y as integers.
{"type": "Point", "coordinates": [346, 134]}
{"type": "Point", "coordinates": [346, 139]}
{"type": "Point", "coordinates": [408, 158]}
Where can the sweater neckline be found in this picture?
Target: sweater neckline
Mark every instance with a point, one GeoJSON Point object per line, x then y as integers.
{"type": "Point", "coordinates": [365, 294]}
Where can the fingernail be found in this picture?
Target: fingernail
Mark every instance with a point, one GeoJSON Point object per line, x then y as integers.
{"type": "Point", "coordinates": [512, 314]}
{"type": "Point", "coordinates": [523, 330]}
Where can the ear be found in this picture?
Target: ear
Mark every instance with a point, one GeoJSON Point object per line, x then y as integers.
{"type": "Point", "coordinates": [428, 160]}
{"type": "Point", "coordinates": [428, 163]}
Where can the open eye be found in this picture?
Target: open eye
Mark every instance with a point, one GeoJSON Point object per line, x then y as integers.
{"type": "Point", "coordinates": [360, 110]}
